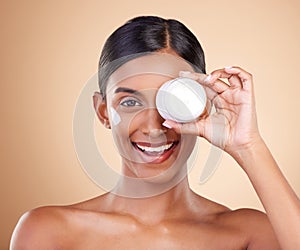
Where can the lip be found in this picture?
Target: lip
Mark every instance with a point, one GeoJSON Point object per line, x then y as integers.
{"type": "Point", "coordinates": [155, 157]}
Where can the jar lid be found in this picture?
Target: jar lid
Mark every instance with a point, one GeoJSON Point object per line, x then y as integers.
{"type": "Point", "coordinates": [181, 99]}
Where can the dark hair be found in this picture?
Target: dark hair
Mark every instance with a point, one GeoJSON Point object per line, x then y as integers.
{"type": "Point", "coordinates": [146, 34]}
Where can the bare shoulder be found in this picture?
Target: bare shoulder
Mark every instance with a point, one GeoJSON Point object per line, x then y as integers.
{"type": "Point", "coordinates": [50, 227]}
{"type": "Point", "coordinates": [38, 228]}
{"type": "Point", "coordinates": [249, 224]}
{"type": "Point", "coordinates": [255, 224]}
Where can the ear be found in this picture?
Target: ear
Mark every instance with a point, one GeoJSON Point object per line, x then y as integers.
{"type": "Point", "coordinates": [101, 109]}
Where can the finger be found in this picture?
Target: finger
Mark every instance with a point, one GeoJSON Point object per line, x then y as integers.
{"type": "Point", "coordinates": [200, 77]}
{"type": "Point", "coordinates": [218, 85]}
{"type": "Point", "coordinates": [219, 73]}
{"type": "Point", "coordinates": [244, 76]}
{"type": "Point", "coordinates": [210, 93]}
{"type": "Point", "coordinates": [219, 104]}
{"type": "Point", "coordinates": [210, 81]}
{"type": "Point", "coordinates": [194, 128]}
{"type": "Point", "coordinates": [234, 80]}
{"type": "Point", "coordinates": [192, 75]}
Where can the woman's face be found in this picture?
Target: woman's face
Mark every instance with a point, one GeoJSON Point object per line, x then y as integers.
{"type": "Point", "coordinates": [147, 148]}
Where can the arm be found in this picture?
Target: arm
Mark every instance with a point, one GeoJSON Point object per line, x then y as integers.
{"type": "Point", "coordinates": [279, 200]}
{"type": "Point", "coordinates": [234, 129]}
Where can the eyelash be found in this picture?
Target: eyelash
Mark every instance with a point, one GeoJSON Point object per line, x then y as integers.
{"type": "Point", "coordinates": [125, 103]}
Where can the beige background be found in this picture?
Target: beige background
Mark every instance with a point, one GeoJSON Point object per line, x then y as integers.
{"type": "Point", "coordinates": [49, 49]}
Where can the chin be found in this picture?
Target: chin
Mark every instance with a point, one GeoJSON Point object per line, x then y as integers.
{"type": "Point", "coordinates": [172, 175]}
{"type": "Point", "coordinates": [160, 173]}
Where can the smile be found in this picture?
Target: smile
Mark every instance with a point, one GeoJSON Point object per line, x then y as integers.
{"type": "Point", "coordinates": [152, 149]}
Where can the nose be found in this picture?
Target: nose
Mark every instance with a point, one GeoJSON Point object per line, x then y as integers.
{"type": "Point", "coordinates": [152, 123]}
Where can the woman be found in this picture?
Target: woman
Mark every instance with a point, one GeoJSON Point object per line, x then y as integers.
{"type": "Point", "coordinates": [152, 206]}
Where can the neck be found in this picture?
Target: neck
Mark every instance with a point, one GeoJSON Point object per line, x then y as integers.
{"type": "Point", "coordinates": [152, 210]}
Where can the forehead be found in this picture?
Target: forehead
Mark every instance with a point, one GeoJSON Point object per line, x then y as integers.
{"type": "Point", "coordinates": [148, 71]}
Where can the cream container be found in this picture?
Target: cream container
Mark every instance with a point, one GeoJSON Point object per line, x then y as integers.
{"type": "Point", "coordinates": [181, 99]}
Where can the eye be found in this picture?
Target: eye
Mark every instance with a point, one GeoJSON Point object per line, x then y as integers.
{"type": "Point", "coordinates": [130, 103]}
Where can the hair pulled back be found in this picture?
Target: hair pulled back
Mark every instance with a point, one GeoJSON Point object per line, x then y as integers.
{"type": "Point", "coordinates": [146, 34]}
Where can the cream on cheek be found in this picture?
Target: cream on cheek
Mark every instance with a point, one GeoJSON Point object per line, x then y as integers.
{"type": "Point", "coordinates": [115, 117]}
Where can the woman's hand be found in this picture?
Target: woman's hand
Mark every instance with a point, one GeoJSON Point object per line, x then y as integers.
{"type": "Point", "coordinates": [233, 126]}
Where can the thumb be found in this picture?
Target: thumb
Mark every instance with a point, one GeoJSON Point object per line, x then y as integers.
{"type": "Point", "coordinates": [192, 128]}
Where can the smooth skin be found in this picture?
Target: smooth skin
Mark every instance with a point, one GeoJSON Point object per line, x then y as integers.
{"type": "Point", "coordinates": [179, 218]}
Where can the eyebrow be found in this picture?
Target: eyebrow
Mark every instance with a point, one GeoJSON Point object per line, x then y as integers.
{"type": "Point", "coordinates": [127, 90]}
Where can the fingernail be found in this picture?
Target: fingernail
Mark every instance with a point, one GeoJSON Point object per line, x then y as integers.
{"type": "Point", "coordinates": [166, 124]}
{"type": "Point", "coordinates": [228, 67]}
{"type": "Point", "coordinates": [208, 78]}
{"type": "Point", "coordinates": [184, 73]}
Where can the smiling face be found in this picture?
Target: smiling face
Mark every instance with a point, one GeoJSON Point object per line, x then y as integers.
{"type": "Point", "coordinates": [147, 148]}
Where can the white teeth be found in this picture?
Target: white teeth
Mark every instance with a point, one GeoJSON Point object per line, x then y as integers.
{"type": "Point", "coordinates": [155, 149]}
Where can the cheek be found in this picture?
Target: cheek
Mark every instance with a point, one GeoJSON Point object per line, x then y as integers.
{"type": "Point", "coordinates": [122, 126]}
{"type": "Point", "coordinates": [115, 117]}
{"type": "Point", "coordinates": [126, 123]}
{"type": "Point", "coordinates": [121, 137]}
{"type": "Point", "coordinates": [188, 144]}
